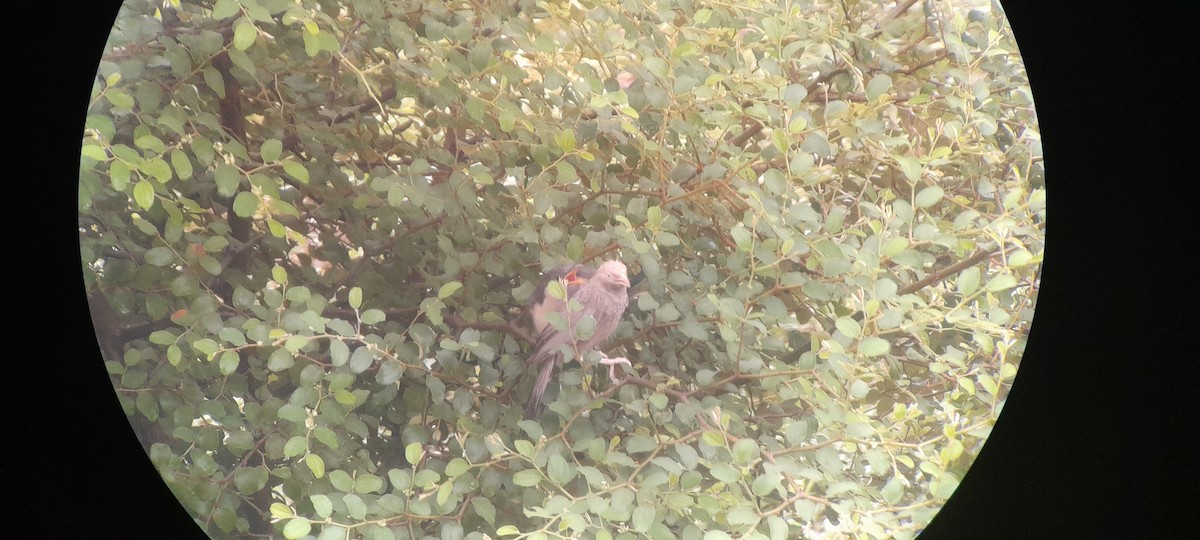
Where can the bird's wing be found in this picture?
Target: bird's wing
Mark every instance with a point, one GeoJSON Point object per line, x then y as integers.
{"type": "Point", "coordinates": [551, 338]}
{"type": "Point", "coordinates": [541, 303]}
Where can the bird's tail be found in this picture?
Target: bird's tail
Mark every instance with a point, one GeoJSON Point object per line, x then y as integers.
{"type": "Point", "coordinates": [533, 407]}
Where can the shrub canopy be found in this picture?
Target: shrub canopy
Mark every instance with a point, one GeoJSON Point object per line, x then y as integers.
{"type": "Point", "coordinates": [309, 227]}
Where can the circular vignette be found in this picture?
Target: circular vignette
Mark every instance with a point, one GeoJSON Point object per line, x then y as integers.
{"type": "Point", "coordinates": [308, 231]}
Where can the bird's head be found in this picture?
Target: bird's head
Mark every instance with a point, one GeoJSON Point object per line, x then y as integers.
{"type": "Point", "coordinates": [612, 275]}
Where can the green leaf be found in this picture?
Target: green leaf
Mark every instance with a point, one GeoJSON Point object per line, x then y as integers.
{"type": "Point", "coordinates": [221, 10]}
{"type": "Point", "coordinates": [448, 289]}
{"type": "Point", "coordinates": [742, 237]}
{"type": "Point", "coordinates": [361, 359]}
{"type": "Point", "coordinates": [162, 337]}
{"type": "Point", "coordinates": [250, 479]}
{"type": "Point", "coordinates": [943, 487]}
{"type": "Point", "coordinates": [389, 371]}
{"type": "Point", "coordinates": [281, 359]}
{"type": "Point", "coordinates": [339, 352]}
{"type": "Point", "coordinates": [508, 530]}
{"type": "Point", "coordinates": [848, 327]}
{"type": "Point", "coordinates": [685, 49]}
{"type": "Point", "coordinates": [280, 511]}
{"type": "Point", "coordinates": [527, 478]}
{"type": "Point", "coordinates": [745, 451]}
{"type": "Point", "coordinates": [293, 413]}
{"type": "Point", "coordinates": [1020, 258]}
{"type": "Point", "coordinates": [725, 473]}
{"type": "Point", "coordinates": [356, 297]}
{"type": "Point", "coordinates": [297, 528]}
{"type": "Point", "coordinates": [296, 170]}
{"type": "Point", "coordinates": [119, 99]}
{"type": "Point", "coordinates": [103, 125]}
{"type": "Point", "coordinates": [485, 509]}
{"type": "Point", "coordinates": [878, 86]}
{"type": "Point", "coordinates": [312, 44]}
{"type": "Point", "coordinates": [565, 140]}
{"type": "Point", "coordinates": [315, 464]}
{"type": "Point", "coordinates": [157, 168]}
{"type": "Point", "coordinates": [270, 150]}
{"type": "Point", "coordinates": [928, 197]}
{"type": "Point", "coordinates": [585, 327]}
{"type": "Point", "coordinates": [911, 167]}
{"type": "Point", "coordinates": [228, 178]}
{"type": "Point", "coordinates": [229, 362]}
{"type": "Point", "coordinates": [643, 518]}
{"type": "Point", "coordinates": [204, 346]}
{"type": "Point", "coordinates": [457, 467]}
{"type": "Point", "coordinates": [778, 527]}
{"type": "Point", "coordinates": [326, 436]}
{"type": "Point", "coordinates": [507, 121]}
{"type": "Point", "coordinates": [341, 481]}
{"type": "Point", "coordinates": [143, 194]}
{"type": "Point", "coordinates": [559, 470]}
{"type": "Point", "coordinates": [444, 491]}
{"type": "Point", "coordinates": [150, 142]}
{"type": "Point", "coordinates": [742, 516]}
{"type": "Point", "coordinates": [475, 108]}
{"type": "Point", "coordinates": [322, 505]}
{"type": "Point", "coordinates": [565, 174]}
{"type": "Point", "coordinates": [893, 245]}
{"type": "Point", "coordinates": [244, 34]}
{"type": "Point", "coordinates": [160, 256]}
{"type": "Point", "coordinates": [118, 173]}
{"type": "Point", "coordinates": [412, 452]}
{"type": "Point", "coordinates": [968, 281]}
{"type": "Point", "coordinates": [372, 316]}
{"type": "Point", "coordinates": [794, 94]}
{"type": "Point", "coordinates": [712, 438]}
{"type": "Point", "coordinates": [295, 446]}
{"type": "Point", "coordinates": [245, 204]}
{"type": "Point", "coordinates": [874, 346]}
{"type": "Point", "coordinates": [1001, 282]}
{"type": "Point", "coordinates": [95, 152]}
{"type": "Point", "coordinates": [765, 484]}
{"type": "Point", "coordinates": [214, 81]}
{"type": "Point", "coordinates": [355, 506]}
{"type": "Point", "coordinates": [181, 164]}
{"type": "Point", "coordinates": [368, 483]}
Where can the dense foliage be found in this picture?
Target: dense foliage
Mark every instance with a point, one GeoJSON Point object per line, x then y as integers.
{"type": "Point", "coordinates": [309, 228]}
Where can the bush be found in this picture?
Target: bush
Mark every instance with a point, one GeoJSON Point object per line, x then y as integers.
{"type": "Point", "coordinates": [309, 228]}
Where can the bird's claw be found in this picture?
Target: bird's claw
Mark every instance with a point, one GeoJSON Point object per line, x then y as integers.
{"type": "Point", "coordinates": [612, 366]}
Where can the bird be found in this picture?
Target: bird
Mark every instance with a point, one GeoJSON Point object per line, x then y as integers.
{"type": "Point", "coordinates": [602, 292]}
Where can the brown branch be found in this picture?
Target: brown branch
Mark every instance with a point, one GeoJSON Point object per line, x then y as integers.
{"type": "Point", "coordinates": [646, 383]}
{"type": "Point", "coordinates": [577, 207]}
{"type": "Point", "coordinates": [930, 62]}
{"type": "Point", "coordinates": [695, 191]}
{"type": "Point", "coordinates": [368, 254]}
{"type": "Point", "coordinates": [745, 135]}
{"type": "Point", "coordinates": [398, 314]}
{"type": "Point", "coordinates": [900, 9]}
{"type": "Point", "coordinates": [511, 327]}
{"type": "Point", "coordinates": [939, 275]}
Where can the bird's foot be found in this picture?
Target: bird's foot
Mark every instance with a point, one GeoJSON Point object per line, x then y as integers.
{"type": "Point", "coordinates": [612, 366]}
